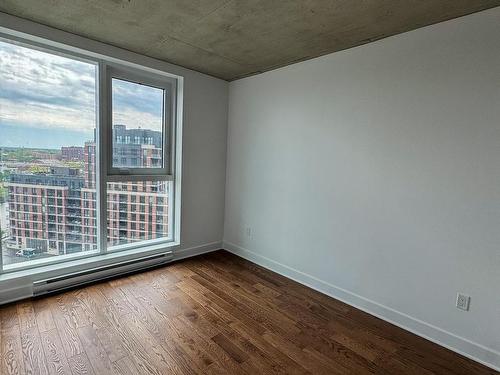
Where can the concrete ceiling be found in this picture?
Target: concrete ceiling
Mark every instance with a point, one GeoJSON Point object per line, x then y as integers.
{"type": "Point", "coordinates": [231, 39]}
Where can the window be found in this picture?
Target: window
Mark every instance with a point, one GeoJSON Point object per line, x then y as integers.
{"type": "Point", "coordinates": [84, 144]}
{"type": "Point", "coordinates": [149, 154]}
{"type": "Point", "coordinates": [126, 218]}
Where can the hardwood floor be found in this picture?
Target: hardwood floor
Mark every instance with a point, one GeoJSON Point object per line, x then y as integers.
{"type": "Point", "coordinates": [213, 314]}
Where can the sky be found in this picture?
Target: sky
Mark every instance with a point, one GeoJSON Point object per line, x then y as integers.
{"type": "Point", "coordinates": [48, 101]}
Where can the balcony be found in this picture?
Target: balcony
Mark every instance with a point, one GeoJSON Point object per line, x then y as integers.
{"type": "Point", "coordinates": [76, 238]}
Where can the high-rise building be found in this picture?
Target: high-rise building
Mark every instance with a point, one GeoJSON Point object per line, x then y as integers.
{"type": "Point", "coordinates": [44, 210]}
{"type": "Point", "coordinates": [136, 147]}
{"type": "Point", "coordinates": [71, 153]}
{"type": "Point", "coordinates": [54, 212]}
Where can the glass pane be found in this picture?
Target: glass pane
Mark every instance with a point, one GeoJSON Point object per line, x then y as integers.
{"type": "Point", "coordinates": [138, 211]}
{"type": "Point", "coordinates": [137, 125]}
{"type": "Point", "coordinates": [47, 155]}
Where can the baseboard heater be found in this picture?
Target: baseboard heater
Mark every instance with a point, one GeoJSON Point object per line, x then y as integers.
{"type": "Point", "coordinates": [74, 279]}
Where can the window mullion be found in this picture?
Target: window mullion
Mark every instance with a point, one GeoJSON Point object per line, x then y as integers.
{"type": "Point", "coordinates": [1, 251]}
{"type": "Point", "coordinates": [103, 153]}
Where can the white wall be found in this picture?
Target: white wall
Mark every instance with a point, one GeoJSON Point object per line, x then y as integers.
{"type": "Point", "coordinates": [204, 161]}
{"type": "Point", "coordinates": [373, 174]}
{"type": "Point", "coordinates": [204, 136]}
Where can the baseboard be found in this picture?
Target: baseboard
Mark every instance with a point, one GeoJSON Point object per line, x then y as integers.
{"type": "Point", "coordinates": [467, 348]}
{"type": "Point", "coordinates": [14, 290]}
{"type": "Point", "coordinates": [197, 250]}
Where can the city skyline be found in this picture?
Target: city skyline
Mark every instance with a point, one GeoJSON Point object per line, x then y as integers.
{"type": "Point", "coordinates": [50, 199]}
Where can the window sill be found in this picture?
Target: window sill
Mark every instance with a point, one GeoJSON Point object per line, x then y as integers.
{"type": "Point", "coordinates": [89, 262]}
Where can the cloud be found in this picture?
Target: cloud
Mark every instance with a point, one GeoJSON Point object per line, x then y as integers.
{"type": "Point", "coordinates": [135, 119]}
{"type": "Point", "coordinates": [35, 114]}
{"type": "Point", "coordinates": [138, 97]}
{"type": "Point", "coordinates": [46, 91]}
{"type": "Point", "coordinates": [30, 75]}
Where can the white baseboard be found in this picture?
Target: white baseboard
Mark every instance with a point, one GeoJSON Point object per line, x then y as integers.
{"type": "Point", "coordinates": [197, 250]}
{"type": "Point", "coordinates": [467, 348]}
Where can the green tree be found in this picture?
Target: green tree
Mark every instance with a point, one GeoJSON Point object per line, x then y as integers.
{"type": "Point", "coordinates": [3, 193]}
{"type": "Point", "coordinates": [4, 176]}
{"type": "Point", "coordinates": [74, 164]}
{"type": "Point", "coordinates": [38, 169]}
{"type": "Point", "coordinates": [19, 154]}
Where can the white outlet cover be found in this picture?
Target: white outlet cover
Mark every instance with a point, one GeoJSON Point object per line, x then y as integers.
{"type": "Point", "coordinates": [463, 302]}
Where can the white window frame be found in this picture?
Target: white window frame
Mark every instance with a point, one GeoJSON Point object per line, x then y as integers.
{"type": "Point", "coordinates": [107, 66]}
{"type": "Point", "coordinates": [168, 85]}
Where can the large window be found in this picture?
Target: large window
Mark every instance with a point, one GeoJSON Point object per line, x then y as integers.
{"type": "Point", "coordinates": [87, 152]}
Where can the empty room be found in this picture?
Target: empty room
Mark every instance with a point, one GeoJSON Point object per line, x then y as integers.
{"type": "Point", "coordinates": [250, 187]}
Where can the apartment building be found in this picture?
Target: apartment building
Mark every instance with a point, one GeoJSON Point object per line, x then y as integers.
{"type": "Point", "coordinates": [45, 210]}
{"type": "Point", "coordinates": [71, 153]}
{"type": "Point", "coordinates": [54, 213]}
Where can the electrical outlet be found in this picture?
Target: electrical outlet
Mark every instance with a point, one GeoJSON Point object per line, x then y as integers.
{"type": "Point", "coordinates": [248, 231]}
{"type": "Point", "coordinates": [463, 302]}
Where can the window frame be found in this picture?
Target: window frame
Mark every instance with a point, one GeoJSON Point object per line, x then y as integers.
{"type": "Point", "coordinates": [168, 85]}
{"type": "Point", "coordinates": [107, 66]}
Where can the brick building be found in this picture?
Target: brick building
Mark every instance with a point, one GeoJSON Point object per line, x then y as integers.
{"type": "Point", "coordinates": [71, 153]}
{"type": "Point", "coordinates": [55, 212]}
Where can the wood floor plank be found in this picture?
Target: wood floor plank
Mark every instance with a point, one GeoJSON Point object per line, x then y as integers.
{"type": "Point", "coordinates": [33, 353]}
{"type": "Point", "coordinates": [111, 343]}
{"type": "Point", "coordinates": [260, 314]}
{"type": "Point", "coordinates": [304, 358]}
{"type": "Point", "coordinates": [217, 305]}
{"type": "Point", "coordinates": [91, 302]}
{"type": "Point", "coordinates": [158, 326]}
{"type": "Point", "coordinates": [126, 366]}
{"type": "Point", "coordinates": [210, 325]}
{"type": "Point", "coordinates": [9, 317]}
{"type": "Point", "coordinates": [224, 360]}
{"type": "Point", "coordinates": [248, 293]}
{"type": "Point", "coordinates": [12, 355]}
{"type": "Point", "coordinates": [142, 346]}
{"type": "Point", "coordinates": [115, 297]}
{"type": "Point", "coordinates": [164, 359]}
{"type": "Point", "coordinates": [57, 362]}
{"type": "Point", "coordinates": [68, 317]}
{"type": "Point", "coordinates": [43, 314]}
{"type": "Point", "coordinates": [131, 343]}
{"type": "Point", "coordinates": [80, 365]}
{"type": "Point", "coordinates": [395, 366]}
{"type": "Point", "coordinates": [211, 314]}
{"type": "Point", "coordinates": [263, 352]}
{"type": "Point", "coordinates": [232, 350]}
{"type": "Point", "coordinates": [95, 351]}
